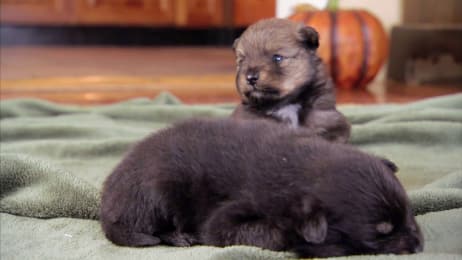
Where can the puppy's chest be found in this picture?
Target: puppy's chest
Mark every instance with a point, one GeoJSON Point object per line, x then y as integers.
{"type": "Point", "coordinates": [288, 114]}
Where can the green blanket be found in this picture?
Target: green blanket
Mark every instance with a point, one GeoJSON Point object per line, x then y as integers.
{"type": "Point", "coordinates": [54, 159]}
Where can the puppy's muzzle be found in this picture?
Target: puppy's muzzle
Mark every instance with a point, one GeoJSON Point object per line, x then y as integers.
{"type": "Point", "coordinates": [252, 78]}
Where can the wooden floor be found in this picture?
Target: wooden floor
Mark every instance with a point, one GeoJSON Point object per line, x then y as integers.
{"type": "Point", "coordinates": [96, 75]}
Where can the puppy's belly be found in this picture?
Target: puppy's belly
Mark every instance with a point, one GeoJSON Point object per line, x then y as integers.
{"type": "Point", "coordinates": [287, 114]}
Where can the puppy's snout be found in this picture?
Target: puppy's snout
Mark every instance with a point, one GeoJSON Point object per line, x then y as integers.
{"type": "Point", "coordinates": [411, 244]}
{"type": "Point", "coordinates": [252, 78]}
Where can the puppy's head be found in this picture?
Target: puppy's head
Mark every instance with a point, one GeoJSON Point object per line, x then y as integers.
{"type": "Point", "coordinates": [273, 60]}
{"type": "Point", "coordinates": [369, 212]}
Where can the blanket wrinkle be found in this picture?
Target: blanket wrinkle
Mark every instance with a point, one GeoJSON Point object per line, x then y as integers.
{"type": "Point", "coordinates": [54, 159]}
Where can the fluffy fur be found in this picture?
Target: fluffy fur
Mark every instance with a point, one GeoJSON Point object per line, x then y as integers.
{"type": "Point", "coordinates": [280, 77]}
{"type": "Point", "coordinates": [226, 182]}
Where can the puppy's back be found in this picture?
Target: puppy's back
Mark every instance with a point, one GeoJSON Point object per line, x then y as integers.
{"type": "Point", "coordinates": [187, 169]}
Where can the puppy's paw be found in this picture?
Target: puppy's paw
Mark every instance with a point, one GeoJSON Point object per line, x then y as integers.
{"type": "Point", "coordinates": [179, 239]}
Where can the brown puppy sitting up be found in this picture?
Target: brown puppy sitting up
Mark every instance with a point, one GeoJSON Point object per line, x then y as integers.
{"type": "Point", "coordinates": [280, 77]}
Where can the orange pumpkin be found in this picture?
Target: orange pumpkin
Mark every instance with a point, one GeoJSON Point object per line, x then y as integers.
{"type": "Point", "coordinates": [353, 44]}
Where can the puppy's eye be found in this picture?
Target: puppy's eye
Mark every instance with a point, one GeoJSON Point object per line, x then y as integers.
{"type": "Point", "coordinates": [384, 228]}
{"type": "Point", "coordinates": [277, 58]}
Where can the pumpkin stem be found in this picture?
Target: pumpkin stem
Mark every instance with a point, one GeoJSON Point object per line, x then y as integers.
{"type": "Point", "coordinates": [332, 5]}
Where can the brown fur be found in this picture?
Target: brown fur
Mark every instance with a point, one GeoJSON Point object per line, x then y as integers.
{"type": "Point", "coordinates": [213, 182]}
{"type": "Point", "coordinates": [295, 90]}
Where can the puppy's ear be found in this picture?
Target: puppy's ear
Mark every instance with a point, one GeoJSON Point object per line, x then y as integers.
{"type": "Point", "coordinates": [390, 165]}
{"type": "Point", "coordinates": [309, 37]}
{"type": "Point", "coordinates": [314, 227]}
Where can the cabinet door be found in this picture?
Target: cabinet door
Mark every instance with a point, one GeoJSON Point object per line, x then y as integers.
{"type": "Point", "coordinates": [200, 13]}
{"type": "Point", "coordinates": [247, 12]}
{"type": "Point", "coordinates": [125, 12]}
{"type": "Point", "coordinates": [35, 11]}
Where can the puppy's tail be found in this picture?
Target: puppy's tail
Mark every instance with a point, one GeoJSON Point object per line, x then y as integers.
{"type": "Point", "coordinates": [122, 236]}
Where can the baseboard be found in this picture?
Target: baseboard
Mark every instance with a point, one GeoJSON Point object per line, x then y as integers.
{"type": "Point", "coordinates": [114, 35]}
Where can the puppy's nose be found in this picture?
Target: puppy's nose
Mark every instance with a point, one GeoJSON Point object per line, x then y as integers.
{"type": "Point", "coordinates": [252, 78]}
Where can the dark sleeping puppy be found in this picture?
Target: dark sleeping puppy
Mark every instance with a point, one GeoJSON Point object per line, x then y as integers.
{"type": "Point", "coordinates": [280, 77]}
{"type": "Point", "coordinates": [226, 182]}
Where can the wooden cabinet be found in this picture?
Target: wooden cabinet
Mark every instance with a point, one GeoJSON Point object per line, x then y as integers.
{"type": "Point", "coordinates": [442, 12]}
{"type": "Point", "coordinates": [247, 12]}
{"type": "Point", "coordinates": [199, 13]}
{"type": "Point", "coordinates": [35, 11]}
{"type": "Point", "coordinates": [125, 12]}
{"type": "Point", "coordinates": [180, 13]}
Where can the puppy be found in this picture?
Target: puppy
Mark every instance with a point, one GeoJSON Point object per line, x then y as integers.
{"type": "Point", "coordinates": [280, 77]}
{"type": "Point", "coordinates": [213, 182]}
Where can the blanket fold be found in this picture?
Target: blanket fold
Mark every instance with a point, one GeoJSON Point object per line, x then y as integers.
{"type": "Point", "coordinates": [54, 159]}
{"type": "Point", "coordinates": [31, 188]}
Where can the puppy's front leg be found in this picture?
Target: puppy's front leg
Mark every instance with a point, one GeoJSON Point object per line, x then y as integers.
{"type": "Point", "coordinates": [244, 112]}
{"type": "Point", "coordinates": [239, 223]}
{"type": "Point", "coordinates": [329, 123]}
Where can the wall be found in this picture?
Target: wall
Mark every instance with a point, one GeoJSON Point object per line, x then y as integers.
{"type": "Point", "coordinates": [284, 8]}
{"type": "Point", "coordinates": [389, 11]}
